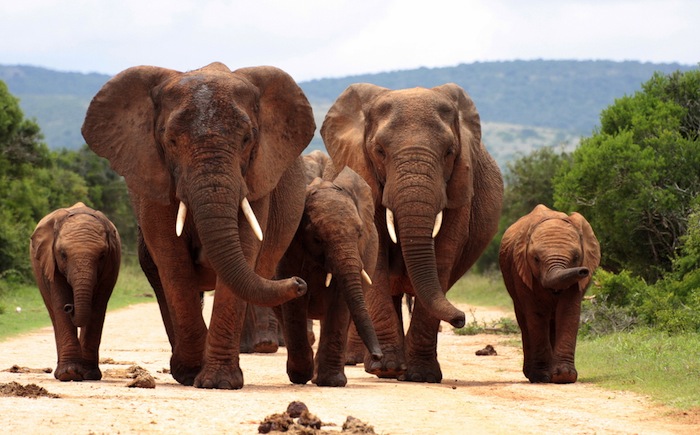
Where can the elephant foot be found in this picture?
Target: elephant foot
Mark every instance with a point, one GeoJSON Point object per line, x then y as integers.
{"type": "Point", "coordinates": [300, 371]}
{"type": "Point", "coordinates": [220, 376]}
{"type": "Point", "coordinates": [564, 374]}
{"type": "Point", "coordinates": [266, 346]}
{"type": "Point", "coordinates": [330, 379]}
{"type": "Point", "coordinates": [391, 366]}
{"type": "Point", "coordinates": [423, 371]}
{"type": "Point", "coordinates": [92, 374]}
{"type": "Point", "coordinates": [182, 372]}
{"type": "Point", "coordinates": [539, 377]}
{"type": "Point", "coordinates": [69, 372]}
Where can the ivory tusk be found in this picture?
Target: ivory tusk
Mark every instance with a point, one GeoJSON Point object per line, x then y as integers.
{"type": "Point", "coordinates": [366, 277]}
{"type": "Point", "coordinates": [252, 220]}
{"type": "Point", "coordinates": [438, 224]}
{"type": "Point", "coordinates": [390, 225]}
{"type": "Point", "coordinates": [180, 222]}
{"type": "Point", "coordinates": [329, 277]}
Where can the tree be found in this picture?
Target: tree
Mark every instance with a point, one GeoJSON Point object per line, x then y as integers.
{"type": "Point", "coordinates": [635, 178]}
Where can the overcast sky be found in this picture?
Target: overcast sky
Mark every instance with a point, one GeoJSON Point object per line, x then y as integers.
{"type": "Point", "coordinates": [333, 38]}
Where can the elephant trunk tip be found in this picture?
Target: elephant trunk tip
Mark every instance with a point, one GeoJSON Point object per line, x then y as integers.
{"type": "Point", "coordinates": [68, 308]}
{"type": "Point", "coordinates": [583, 272]}
{"type": "Point", "coordinates": [377, 355]}
{"type": "Point", "coordinates": [459, 320]}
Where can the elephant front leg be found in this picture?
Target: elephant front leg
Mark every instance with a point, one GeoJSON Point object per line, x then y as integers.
{"type": "Point", "coordinates": [70, 362]}
{"type": "Point", "coordinates": [221, 363]}
{"type": "Point", "coordinates": [421, 348]}
{"type": "Point", "coordinates": [537, 347]}
{"type": "Point", "coordinates": [384, 311]}
{"type": "Point", "coordinates": [260, 330]}
{"type": "Point", "coordinates": [300, 355]}
{"type": "Point", "coordinates": [330, 358]}
{"type": "Point", "coordinates": [355, 349]}
{"type": "Point", "coordinates": [566, 324]}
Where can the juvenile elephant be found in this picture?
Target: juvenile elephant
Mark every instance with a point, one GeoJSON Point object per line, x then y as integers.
{"type": "Point", "coordinates": [547, 259]}
{"type": "Point", "coordinates": [76, 253]}
{"type": "Point", "coordinates": [420, 151]}
{"type": "Point", "coordinates": [211, 158]}
{"type": "Point", "coordinates": [334, 251]}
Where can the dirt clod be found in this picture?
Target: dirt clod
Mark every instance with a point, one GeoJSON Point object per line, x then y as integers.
{"type": "Point", "coordinates": [141, 378]}
{"type": "Point", "coordinates": [488, 351]}
{"type": "Point", "coordinates": [356, 426]}
{"type": "Point", "coordinates": [295, 408]}
{"type": "Point", "coordinates": [17, 369]}
{"type": "Point", "coordinates": [276, 422]}
{"type": "Point", "coordinates": [31, 390]}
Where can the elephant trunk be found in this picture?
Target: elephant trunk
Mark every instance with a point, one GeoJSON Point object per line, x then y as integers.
{"type": "Point", "coordinates": [82, 280]}
{"type": "Point", "coordinates": [417, 245]}
{"type": "Point", "coordinates": [560, 278]}
{"type": "Point", "coordinates": [215, 210]}
{"type": "Point", "coordinates": [351, 283]}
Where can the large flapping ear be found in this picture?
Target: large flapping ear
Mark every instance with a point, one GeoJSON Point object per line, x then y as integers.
{"type": "Point", "coordinates": [589, 244]}
{"type": "Point", "coordinates": [119, 126]}
{"type": "Point", "coordinates": [343, 131]}
{"type": "Point", "coordinates": [286, 125]}
{"type": "Point", "coordinates": [460, 186]}
{"type": "Point", "coordinates": [42, 241]}
{"type": "Point", "coordinates": [315, 164]}
{"type": "Point", "coordinates": [113, 239]}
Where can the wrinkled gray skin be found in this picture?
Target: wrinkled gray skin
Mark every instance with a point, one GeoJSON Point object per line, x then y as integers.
{"type": "Point", "coordinates": [547, 259]}
{"type": "Point", "coordinates": [337, 236]}
{"type": "Point", "coordinates": [208, 139]}
{"type": "Point", "coordinates": [420, 151]}
{"type": "Point", "coordinates": [76, 254]}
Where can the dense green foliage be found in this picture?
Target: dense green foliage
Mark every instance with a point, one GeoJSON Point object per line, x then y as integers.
{"type": "Point", "coordinates": [636, 177]}
{"type": "Point", "coordinates": [35, 181]}
{"type": "Point", "coordinates": [563, 95]}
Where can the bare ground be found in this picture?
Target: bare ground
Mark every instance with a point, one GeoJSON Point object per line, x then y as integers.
{"type": "Point", "coordinates": [478, 395]}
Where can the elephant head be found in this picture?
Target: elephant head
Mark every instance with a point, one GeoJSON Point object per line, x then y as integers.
{"type": "Point", "coordinates": [553, 250]}
{"type": "Point", "coordinates": [75, 246]}
{"type": "Point", "coordinates": [339, 233]}
{"type": "Point", "coordinates": [420, 151]}
{"type": "Point", "coordinates": [212, 140]}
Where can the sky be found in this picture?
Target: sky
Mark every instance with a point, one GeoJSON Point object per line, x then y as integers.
{"type": "Point", "coordinates": [314, 39]}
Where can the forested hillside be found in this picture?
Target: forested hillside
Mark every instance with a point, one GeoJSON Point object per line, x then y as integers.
{"type": "Point", "coordinates": [523, 104]}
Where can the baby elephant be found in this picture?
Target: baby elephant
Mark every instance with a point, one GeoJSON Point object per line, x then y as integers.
{"type": "Point", "coordinates": [76, 253]}
{"type": "Point", "coordinates": [335, 252]}
{"type": "Point", "coordinates": [547, 259]}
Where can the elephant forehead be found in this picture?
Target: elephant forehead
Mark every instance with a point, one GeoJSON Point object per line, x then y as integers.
{"type": "Point", "coordinates": [415, 103]}
{"type": "Point", "coordinates": [83, 227]}
{"type": "Point", "coordinates": [332, 209]}
{"type": "Point", "coordinates": [555, 231]}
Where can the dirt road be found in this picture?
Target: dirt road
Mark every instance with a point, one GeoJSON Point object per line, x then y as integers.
{"type": "Point", "coordinates": [479, 394]}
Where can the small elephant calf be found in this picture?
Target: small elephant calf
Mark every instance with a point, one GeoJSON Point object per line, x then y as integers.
{"type": "Point", "coordinates": [76, 254]}
{"type": "Point", "coordinates": [547, 259]}
{"type": "Point", "coordinates": [335, 251]}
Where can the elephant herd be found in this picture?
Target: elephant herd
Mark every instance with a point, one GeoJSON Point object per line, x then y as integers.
{"type": "Point", "coordinates": [405, 202]}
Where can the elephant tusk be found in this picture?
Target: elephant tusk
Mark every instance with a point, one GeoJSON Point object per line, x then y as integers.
{"type": "Point", "coordinates": [438, 224]}
{"type": "Point", "coordinates": [180, 222]}
{"type": "Point", "coordinates": [366, 277]}
{"type": "Point", "coordinates": [252, 220]}
{"type": "Point", "coordinates": [390, 225]}
{"type": "Point", "coordinates": [329, 277]}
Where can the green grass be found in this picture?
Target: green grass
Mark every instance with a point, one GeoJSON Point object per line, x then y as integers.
{"type": "Point", "coordinates": [653, 363]}
{"type": "Point", "coordinates": [485, 290]}
{"type": "Point", "coordinates": [132, 288]}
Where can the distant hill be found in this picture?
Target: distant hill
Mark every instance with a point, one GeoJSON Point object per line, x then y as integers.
{"type": "Point", "coordinates": [523, 104]}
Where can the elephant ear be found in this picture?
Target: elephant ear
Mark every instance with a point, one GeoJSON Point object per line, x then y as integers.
{"type": "Point", "coordinates": [343, 131]}
{"type": "Point", "coordinates": [459, 187]}
{"type": "Point", "coordinates": [360, 192]}
{"type": "Point", "coordinates": [113, 239]}
{"type": "Point", "coordinates": [119, 126]}
{"type": "Point", "coordinates": [286, 126]}
{"type": "Point", "coordinates": [42, 240]}
{"type": "Point", "coordinates": [590, 245]}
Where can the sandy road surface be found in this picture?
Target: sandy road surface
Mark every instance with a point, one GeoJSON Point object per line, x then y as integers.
{"type": "Point", "coordinates": [479, 394]}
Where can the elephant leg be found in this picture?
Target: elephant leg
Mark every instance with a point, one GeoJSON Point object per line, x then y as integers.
{"type": "Point", "coordinates": [539, 348]}
{"type": "Point", "coordinates": [91, 336]}
{"type": "Point", "coordinates": [330, 357]}
{"type": "Point", "coordinates": [300, 355]}
{"type": "Point", "coordinates": [221, 363]}
{"type": "Point", "coordinates": [566, 326]}
{"type": "Point", "coordinates": [151, 271]}
{"type": "Point", "coordinates": [260, 330]}
{"type": "Point", "coordinates": [421, 347]}
{"type": "Point", "coordinates": [70, 361]}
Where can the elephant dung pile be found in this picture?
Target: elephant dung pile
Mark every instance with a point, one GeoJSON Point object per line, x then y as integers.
{"type": "Point", "coordinates": [32, 391]}
{"type": "Point", "coordinates": [307, 422]}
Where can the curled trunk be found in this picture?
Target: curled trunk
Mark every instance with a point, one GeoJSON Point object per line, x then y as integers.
{"type": "Point", "coordinates": [215, 212]}
{"type": "Point", "coordinates": [560, 278]}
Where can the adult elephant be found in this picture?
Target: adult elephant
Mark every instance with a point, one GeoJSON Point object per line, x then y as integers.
{"type": "Point", "coordinates": [420, 151]}
{"type": "Point", "coordinates": [547, 259]}
{"type": "Point", "coordinates": [76, 254]}
{"type": "Point", "coordinates": [199, 150]}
